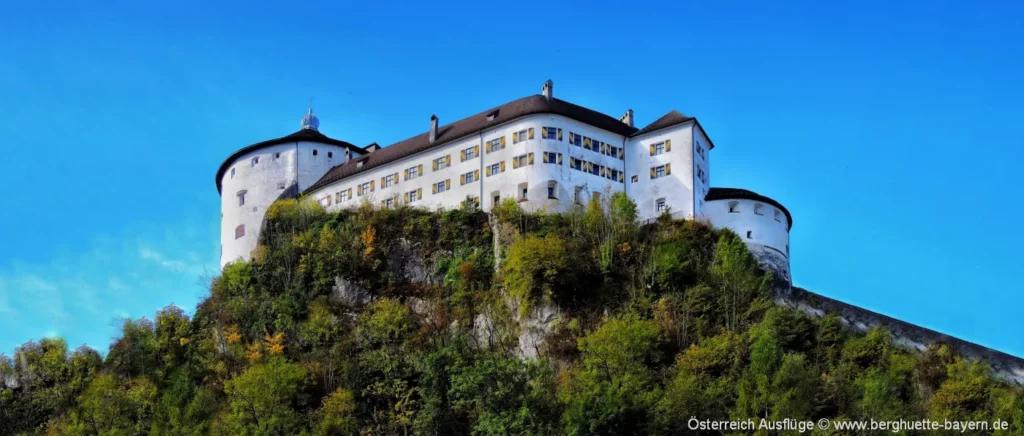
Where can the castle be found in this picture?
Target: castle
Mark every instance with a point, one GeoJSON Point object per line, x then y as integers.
{"type": "Point", "coordinates": [547, 154]}
{"type": "Point", "coordinates": [544, 152]}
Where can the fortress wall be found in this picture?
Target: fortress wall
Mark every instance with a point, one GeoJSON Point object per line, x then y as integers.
{"type": "Point", "coordinates": [1004, 366]}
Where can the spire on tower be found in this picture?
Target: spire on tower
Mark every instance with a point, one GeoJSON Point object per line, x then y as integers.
{"type": "Point", "coordinates": [310, 121]}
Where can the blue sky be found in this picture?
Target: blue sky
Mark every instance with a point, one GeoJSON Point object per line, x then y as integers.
{"type": "Point", "coordinates": [892, 133]}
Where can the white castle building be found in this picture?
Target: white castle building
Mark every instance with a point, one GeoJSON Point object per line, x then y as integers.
{"type": "Point", "coordinates": [544, 152]}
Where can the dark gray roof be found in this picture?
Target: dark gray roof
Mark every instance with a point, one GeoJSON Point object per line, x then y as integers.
{"type": "Point", "coordinates": [743, 194]}
{"type": "Point", "coordinates": [304, 135]}
{"type": "Point", "coordinates": [534, 104]}
{"type": "Point", "coordinates": [670, 119]}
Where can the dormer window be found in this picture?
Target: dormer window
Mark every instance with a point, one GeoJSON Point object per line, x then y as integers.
{"type": "Point", "coordinates": [734, 207]}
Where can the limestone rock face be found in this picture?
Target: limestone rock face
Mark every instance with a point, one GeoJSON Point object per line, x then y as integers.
{"type": "Point", "coordinates": [534, 328]}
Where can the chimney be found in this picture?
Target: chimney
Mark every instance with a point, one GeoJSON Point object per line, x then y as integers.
{"type": "Point", "coordinates": [548, 89]}
{"type": "Point", "coordinates": [433, 128]}
{"type": "Point", "coordinates": [627, 118]}
{"type": "Point", "coordinates": [348, 154]}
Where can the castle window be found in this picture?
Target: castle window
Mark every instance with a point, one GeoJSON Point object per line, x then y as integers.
{"type": "Point", "coordinates": [778, 216]}
{"type": "Point", "coordinates": [595, 169]}
{"type": "Point", "coordinates": [634, 179]}
{"type": "Point", "coordinates": [550, 157]}
{"type": "Point", "coordinates": [441, 163]}
{"type": "Point", "coordinates": [325, 202]}
{"type": "Point", "coordinates": [577, 196]}
{"type": "Point", "coordinates": [658, 172]}
{"type": "Point", "coordinates": [469, 153]}
{"type": "Point", "coordinates": [413, 195]}
{"type": "Point", "coordinates": [660, 205]}
{"type": "Point", "coordinates": [787, 249]}
{"type": "Point", "coordinates": [550, 132]}
{"type": "Point", "coordinates": [494, 169]}
{"type": "Point", "coordinates": [750, 234]}
{"type": "Point", "coordinates": [388, 180]}
{"type": "Point", "coordinates": [241, 197]}
{"type": "Point", "coordinates": [232, 173]}
{"type": "Point", "coordinates": [330, 154]}
{"type": "Point", "coordinates": [734, 207]}
{"type": "Point", "coordinates": [613, 174]}
{"type": "Point", "coordinates": [497, 199]}
{"type": "Point", "coordinates": [519, 136]}
{"type": "Point", "coordinates": [239, 231]}
{"type": "Point", "coordinates": [759, 209]}
{"type": "Point", "coordinates": [389, 202]}
{"type": "Point", "coordinates": [521, 161]}
{"type": "Point", "coordinates": [343, 196]}
{"type": "Point", "coordinates": [314, 152]}
{"type": "Point", "coordinates": [440, 187]}
{"type": "Point", "coordinates": [255, 160]}
{"type": "Point", "coordinates": [657, 149]}
{"type": "Point", "coordinates": [277, 155]}
{"type": "Point", "coordinates": [469, 177]}
{"type": "Point", "coordinates": [700, 174]}
{"type": "Point", "coordinates": [495, 144]}
{"type": "Point", "coordinates": [364, 189]}
{"type": "Point", "coordinates": [523, 192]}
{"type": "Point", "coordinates": [553, 190]}
{"type": "Point", "coordinates": [575, 139]}
{"type": "Point", "coordinates": [413, 172]}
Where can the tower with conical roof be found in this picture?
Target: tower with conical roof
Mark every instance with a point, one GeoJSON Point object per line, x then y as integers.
{"type": "Point", "coordinates": [253, 177]}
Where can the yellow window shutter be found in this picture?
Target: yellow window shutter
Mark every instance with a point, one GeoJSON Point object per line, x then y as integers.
{"type": "Point", "coordinates": [448, 184]}
{"type": "Point", "coordinates": [406, 173]}
{"type": "Point", "coordinates": [502, 142]}
{"type": "Point", "coordinates": [476, 175]}
{"type": "Point", "coordinates": [559, 134]}
{"type": "Point", "coordinates": [350, 193]}
{"type": "Point", "coordinates": [360, 189]}
{"type": "Point", "coordinates": [435, 164]}
{"type": "Point", "coordinates": [419, 170]}
{"type": "Point", "coordinates": [652, 149]}
{"type": "Point", "coordinates": [586, 143]}
{"type": "Point", "coordinates": [476, 150]}
{"type": "Point", "coordinates": [487, 171]}
{"type": "Point", "coordinates": [622, 176]}
{"type": "Point", "coordinates": [668, 145]}
{"type": "Point", "coordinates": [530, 158]}
{"type": "Point", "coordinates": [419, 192]}
{"type": "Point", "coordinates": [371, 185]}
{"type": "Point", "coordinates": [487, 147]}
{"type": "Point", "coordinates": [381, 182]}
{"type": "Point", "coordinates": [448, 160]}
{"type": "Point", "coordinates": [406, 198]}
{"type": "Point", "coordinates": [515, 163]}
{"type": "Point", "coordinates": [668, 169]}
{"type": "Point", "coordinates": [572, 162]}
{"type": "Point", "coordinates": [544, 133]}
{"type": "Point", "coordinates": [462, 179]}
{"type": "Point", "coordinates": [501, 167]}
{"type": "Point", "coordinates": [434, 188]}
{"type": "Point", "coordinates": [622, 153]}
{"type": "Point", "coordinates": [570, 138]}
{"type": "Point", "coordinates": [545, 157]}
{"type": "Point", "coordinates": [652, 173]}
{"type": "Point", "coordinates": [515, 137]}
{"type": "Point", "coordinates": [559, 158]}
{"type": "Point", "coordinates": [463, 154]}
{"type": "Point", "coordinates": [396, 177]}
{"type": "Point", "coordinates": [531, 133]}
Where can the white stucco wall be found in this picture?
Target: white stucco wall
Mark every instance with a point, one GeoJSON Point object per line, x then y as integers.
{"type": "Point", "coordinates": [769, 230]}
{"type": "Point", "coordinates": [506, 184]}
{"type": "Point", "coordinates": [279, 167]}
{"type": "Point", "coordinates": [700, 164]}
{"type": "Point", "coordinates": [676, 188]}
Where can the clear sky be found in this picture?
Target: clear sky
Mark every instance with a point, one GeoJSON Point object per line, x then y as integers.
{"type": "Point", "coordinates": [892, 132]}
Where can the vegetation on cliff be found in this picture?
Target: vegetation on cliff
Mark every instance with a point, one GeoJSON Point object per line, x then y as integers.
{"type": "Point", "coordinates": [404, 321]}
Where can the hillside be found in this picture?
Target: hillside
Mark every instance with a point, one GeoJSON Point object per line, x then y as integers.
{"type": "Point", "coordinates": [403, 321]}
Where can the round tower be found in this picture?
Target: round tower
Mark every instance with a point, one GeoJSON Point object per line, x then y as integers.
{"type": "Point", "coordinates": [759, 221]}
{"type": "Point", "coordinates": [253, 177]}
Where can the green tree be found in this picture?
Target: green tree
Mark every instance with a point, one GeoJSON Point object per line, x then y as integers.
{"type": "Point", "coordinates": [264, 399]}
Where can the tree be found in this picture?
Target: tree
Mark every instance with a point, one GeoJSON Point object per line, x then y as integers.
{"type": "Point", "coordinates": [264, 398]}
{"type": "Point", "coordinates": [505, 395]}
{"type": "Point", "coordinates": [337, 415]}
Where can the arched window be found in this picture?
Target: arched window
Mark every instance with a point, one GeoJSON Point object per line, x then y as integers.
{"type": "Point", "coordinates": [239, 231]}
{"type": "Point", "coordinates": [552, 190]}
{"type": "Point", "coordinates": [758, 209]}
{"type": "Point", "coordinates": [524, 191]}
{"type": "Point", "coordinates": [734, 207]}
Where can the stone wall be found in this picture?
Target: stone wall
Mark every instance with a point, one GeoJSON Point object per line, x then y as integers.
{"type": "Point", "coordinates": [1004, 366]}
